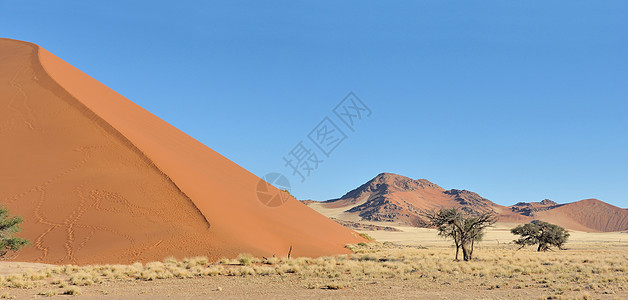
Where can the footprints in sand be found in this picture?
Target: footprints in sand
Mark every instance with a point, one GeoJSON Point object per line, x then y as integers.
{"type": "Point", "coordinates": [69, 222]}
{"type": "Point", "coordinates": [86, 155]}
{"type": "Point", "coordinates": [89, 199]}
{"type": "Point", "coordinates": [20, 98]}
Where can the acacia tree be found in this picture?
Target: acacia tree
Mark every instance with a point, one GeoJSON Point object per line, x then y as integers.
{"type": "Point", "coordinates": [542, 233]}
{"type": "Point", "coordinates": [463, 228]}
{"type": "Point", "coordinates": [8, 226]}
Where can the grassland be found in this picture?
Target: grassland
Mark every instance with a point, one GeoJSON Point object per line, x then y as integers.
{"type": "Point", "coordinates": [586, 270]}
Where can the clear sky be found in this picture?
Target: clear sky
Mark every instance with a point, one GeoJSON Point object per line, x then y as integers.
{"type": "Point", "coordinates": [514, 100]}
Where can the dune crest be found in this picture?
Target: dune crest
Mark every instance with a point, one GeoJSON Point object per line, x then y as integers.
{"type": "Point", "coordinates": [98, 179]}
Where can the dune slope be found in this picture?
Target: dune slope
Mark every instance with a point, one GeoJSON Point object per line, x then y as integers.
{"type": "Point", "coordinates": [98, 179]}
{"type": "Point", "coordinates": [592, 214]}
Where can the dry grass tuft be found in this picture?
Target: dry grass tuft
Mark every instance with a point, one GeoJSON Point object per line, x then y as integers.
{"type": "Point", "coordinates": [49, 293]}
{"type": "Point", "coordinates": [73, 291]}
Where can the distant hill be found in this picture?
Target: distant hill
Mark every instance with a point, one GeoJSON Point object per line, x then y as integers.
{"type": "Point", "coordinates": [398, 199]}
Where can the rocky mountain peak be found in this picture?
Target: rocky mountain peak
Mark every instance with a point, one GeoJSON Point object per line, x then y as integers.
{"type": "Point", "coordinates": [548, 202]}
{"type": "Point", "coordinates": [386, 183]}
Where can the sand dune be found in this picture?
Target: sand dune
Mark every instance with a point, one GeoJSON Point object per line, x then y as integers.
{"type": "Point", "coordinates": [592, 214]}
{"type": "Point", "coordinates": [98, 179]}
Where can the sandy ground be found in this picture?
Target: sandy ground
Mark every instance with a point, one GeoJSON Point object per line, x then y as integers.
{"type": "Point", "coordinates": [275, 287]}
{"type": "Point", "coordinates": [499, 234]}
{"type": "Point", "coordinates": [291, 286]}
{"type": "Point", "coordinates": [11, 267]}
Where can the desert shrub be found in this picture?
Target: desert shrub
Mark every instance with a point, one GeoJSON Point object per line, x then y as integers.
{"type": "Point", "coordinates": [6, 295]}
{"type": "Point", "coordinates": [49, 293]}
{"type": "Point", "coordinates": [270, 260]}
{"type": "Point", "coordinates": [246, 259]}
{"type": "Point", "coordinates": [367, 237]}
{"type": "Point", "coordinates": [195, 261]}
{"type": "Point", "coordinates": [336, 286]}
{"type": "Point", "coordinates": [72, 291]}
{"type": "Point", "coordinates": [83, 278]}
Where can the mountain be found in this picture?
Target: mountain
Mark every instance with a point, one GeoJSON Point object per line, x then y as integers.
{"type": "Point", "coordinates": [398, 199]}
{"type": "Point", "coordinates": [98, 179]}
{"type": "Point", "coordinates": [394, 198]}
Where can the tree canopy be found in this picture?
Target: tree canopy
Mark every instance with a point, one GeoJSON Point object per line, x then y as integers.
{"type": "Point", "coordinates": [8, 226]}
{"type": "Point", "coordinates": [463, 228]}
{"type": "Point", "coordinates": [542, 233]}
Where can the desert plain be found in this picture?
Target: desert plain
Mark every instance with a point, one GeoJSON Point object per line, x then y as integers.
{"type": "Point", "coordinates": [411, 263]}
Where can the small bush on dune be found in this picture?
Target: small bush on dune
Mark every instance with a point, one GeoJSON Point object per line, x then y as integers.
{"type": "Point", "coordinates": [367, 237]}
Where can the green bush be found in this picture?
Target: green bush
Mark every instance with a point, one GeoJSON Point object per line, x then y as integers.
{"type": "Point", "coordinates": [542, 233]}
{"type": "Point", "coordinates": [10, 225]}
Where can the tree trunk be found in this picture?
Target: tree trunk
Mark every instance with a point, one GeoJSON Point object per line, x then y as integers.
{"type": "Point", "coordinates": [457, 250]}
{"type": "Point", "coordinates": [465, 253]}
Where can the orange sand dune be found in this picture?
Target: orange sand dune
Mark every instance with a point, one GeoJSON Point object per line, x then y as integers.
{"type": "Point", "coordinates": [592, 214]}
{"type": "Point", "coordinates": [98, 179]}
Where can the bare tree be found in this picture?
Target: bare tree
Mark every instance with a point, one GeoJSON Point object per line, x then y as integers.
{"type": "Point", "coordinates": [463, 228]}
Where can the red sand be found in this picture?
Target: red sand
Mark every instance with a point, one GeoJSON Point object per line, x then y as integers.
{"type": "Point", "coordinates": [592, 214]}
{"type": "Point", "coordinates": [98, 179]}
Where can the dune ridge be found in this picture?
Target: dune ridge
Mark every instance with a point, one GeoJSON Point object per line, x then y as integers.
{"type": "Point", "coordinates": [100, 180]}
{"type": "Point", "coordinates": [44, 57]}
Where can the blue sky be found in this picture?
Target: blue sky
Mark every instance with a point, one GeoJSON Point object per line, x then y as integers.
{"type": "Point", "coordinates": [517, 101]}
